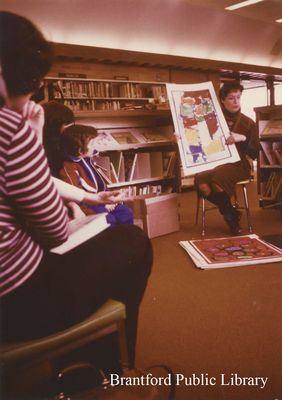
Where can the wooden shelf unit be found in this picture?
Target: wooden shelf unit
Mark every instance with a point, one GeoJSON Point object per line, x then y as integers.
{"type": "Point", "coordinates": [122, 113]}
{"type": "Point", "coordinates": [144, 165]}
{"type": "Point", "coordinates": [269, 165]}
{"type": "Point", "coordinates": [107, 95]}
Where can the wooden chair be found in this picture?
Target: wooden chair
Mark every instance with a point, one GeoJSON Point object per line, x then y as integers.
{"type": "Point", "coordinates": [16, 358]}
{"type": "Point", "coordinates": [201, 205]}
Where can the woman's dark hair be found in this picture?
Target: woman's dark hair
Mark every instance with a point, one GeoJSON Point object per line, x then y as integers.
{"type": "Point", "coordinates": [56, 116]}
{"type": "Point", "coordinates": [75, 138]}
{"type": "Point", "coordinates": [25, 55]}
{"type": "Point", "coordinates": [228, 87]}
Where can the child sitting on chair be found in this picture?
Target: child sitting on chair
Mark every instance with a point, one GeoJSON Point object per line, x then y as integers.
{"type": "Point", "coordinates": [79, 170]}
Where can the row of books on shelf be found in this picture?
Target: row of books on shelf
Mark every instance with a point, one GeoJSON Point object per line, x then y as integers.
{"type": "Point", "coordinates": [271, 153]}
{"type": "Point", "coordinates": [90, 89]}
{"type": "Point", "coordinates": [272, 188]}
{"type": "Point", "coordinates": [133, 138]}
{"type": "Point", "coordinates": [128, 167]}
{"type": "Point", "coordinates": [154, 190]}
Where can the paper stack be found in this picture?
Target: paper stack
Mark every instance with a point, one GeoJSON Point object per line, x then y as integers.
{"type": "Point", "coordinates": [81, 230]}
{"type": "Point", "coordinates": [231, 252]}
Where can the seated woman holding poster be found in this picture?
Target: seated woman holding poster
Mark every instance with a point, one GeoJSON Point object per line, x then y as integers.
{"type": "Point", "coordinates": [42, 292]}
{"type": "Point", "coordinates": [217, 185]}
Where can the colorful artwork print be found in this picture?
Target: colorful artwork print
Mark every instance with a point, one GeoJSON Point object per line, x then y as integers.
{"type": "Point", "coordinates": [227, 250]}
{"type": "Point", "coordinates": [200, 126]}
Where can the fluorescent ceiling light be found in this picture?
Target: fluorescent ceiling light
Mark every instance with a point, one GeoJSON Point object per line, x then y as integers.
{"type": "Point", "coordinates": [242, 4]}
{"type": "Point", "coordinates": [279, 20]}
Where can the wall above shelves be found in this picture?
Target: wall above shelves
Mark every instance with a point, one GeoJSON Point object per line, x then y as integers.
{"type": "Point", "coordinates": [89, 54]}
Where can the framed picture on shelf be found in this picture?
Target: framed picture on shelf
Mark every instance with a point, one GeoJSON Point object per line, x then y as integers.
{"type": "Point", "coordinates": [200, 127]}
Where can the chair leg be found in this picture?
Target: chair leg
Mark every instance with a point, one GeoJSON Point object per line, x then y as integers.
{"type": "Point", "coordinates": [246, 201]}
{"type": "Point", "coordinates": [203, 216]}
{"type": "Point", "coordinates": [236, 203]}
{"type": "Point", "coordinates": [198, 208]}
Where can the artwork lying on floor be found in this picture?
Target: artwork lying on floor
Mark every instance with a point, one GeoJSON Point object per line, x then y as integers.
{"type": "Point", "coordinates": [200, 127]}
{"type": "Point", "coordinates": [231, 251]}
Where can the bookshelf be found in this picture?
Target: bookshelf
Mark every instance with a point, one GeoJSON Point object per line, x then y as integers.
{"type": "Point", "coordinates": [269, 120]}
{"type": "Point", "coordinates": [136, 142]}
{"type": "Point", "coordinates": [137, 154]}
{"type": "Point", "coordinates": [107, 95]}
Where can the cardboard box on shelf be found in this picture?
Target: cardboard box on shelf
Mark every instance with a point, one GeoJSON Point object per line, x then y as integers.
{"type": "Point", "coordinates": [158, 213]}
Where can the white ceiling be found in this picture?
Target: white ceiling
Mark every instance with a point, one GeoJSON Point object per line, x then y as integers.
{"type": "Point", "coordinates": [265, 11]}
{"type": "Point", "coordinates": [190, 28]}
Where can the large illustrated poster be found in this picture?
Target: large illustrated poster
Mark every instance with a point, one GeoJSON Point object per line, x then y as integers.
{"type": "Point", "coordinates": [231, 251]}
{"type": "Point", "coordinates": [200, 126]}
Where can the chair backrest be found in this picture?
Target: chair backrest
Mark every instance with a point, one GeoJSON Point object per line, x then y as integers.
{"type": "Point", "coordinates": [104, 321]}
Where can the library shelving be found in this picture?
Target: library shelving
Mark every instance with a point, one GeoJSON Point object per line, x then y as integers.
{"type": "Point", "coordinates": [136, 142]}
{"type": "Point", "coordinates": [100, 95]}
{"type": "Point", "coordinates": [269, 120]}
{"type": "Point", "coordinates": [136, 153]}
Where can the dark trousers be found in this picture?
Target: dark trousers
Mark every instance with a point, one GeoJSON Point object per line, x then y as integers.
{"type": "Point", "coordinates": [67, 289]}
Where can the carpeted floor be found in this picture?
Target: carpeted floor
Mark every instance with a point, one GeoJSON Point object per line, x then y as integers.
{"type": "Point", "coordinates": [226, 321]}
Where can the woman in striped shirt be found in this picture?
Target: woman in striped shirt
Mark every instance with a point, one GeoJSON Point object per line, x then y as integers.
{"type": "Point", "coordinates": [42, 292]}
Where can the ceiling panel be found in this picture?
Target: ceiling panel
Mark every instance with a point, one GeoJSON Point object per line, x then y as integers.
{"type": "Point", "coordinates": [190, 28]}
{"type": "Point", "coordinates": [266, 11]}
